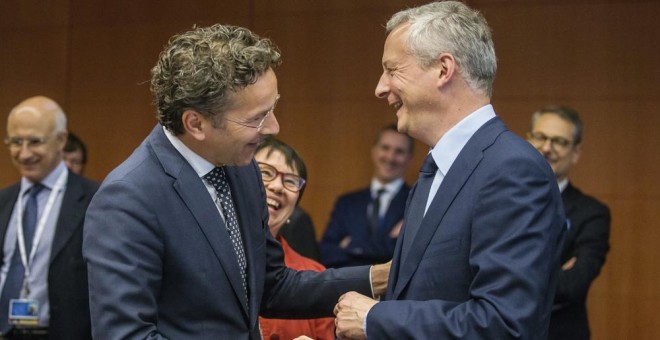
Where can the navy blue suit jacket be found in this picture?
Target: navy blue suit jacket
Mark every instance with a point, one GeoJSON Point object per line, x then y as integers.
{"type": "Point", "coordinates": [349, 218]}
{"type": "Point", "coordinates": [588, 240]}
{"type": "Point", "coordinates": [161, 263]}
{"type": "Point", "coordinates": [483, 262]}
{"type": "Point", "coordinates": [67, 273]}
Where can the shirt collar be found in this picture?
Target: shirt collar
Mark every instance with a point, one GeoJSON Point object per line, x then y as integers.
{"type": "Point", "coordinates": [48, 181]}
{"type": "Point", "coordinates": [199, 164]}
{"type": "Point", "coordinates": [563, 184]}
{"type": "Point", "coordinates": [390, 187]}
{"type": "Point", "coordinates": [450, 145]}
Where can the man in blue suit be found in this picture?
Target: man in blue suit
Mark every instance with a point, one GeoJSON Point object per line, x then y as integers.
{"type": "Point", "coordinates": [176, 241]}
{"type": "Point", "coordinates": [365, 223]}
{"type": "Point", "coordinates": [478, 254]}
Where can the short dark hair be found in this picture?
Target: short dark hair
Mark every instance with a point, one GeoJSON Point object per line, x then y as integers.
{"type": "Point", "coordinates": [392, 127]}
{"type": "Point", "coordinates": [74, 143]}
{"type": "Point", "coordinates": [567, 113]}
{"type": "Point", "coordinates": [291, 157]}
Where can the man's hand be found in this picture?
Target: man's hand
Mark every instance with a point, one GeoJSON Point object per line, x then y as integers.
{"type": "Point", "coordinates": [569, 264]}
{"type": "Point", "coordinates": [350, 313]}
{"type": "Point", "coordinates": [396, 230]}
{"type": "Point", "coordinates": [380, 274]}
{"type": "Point", "coordinates": [345, 242]}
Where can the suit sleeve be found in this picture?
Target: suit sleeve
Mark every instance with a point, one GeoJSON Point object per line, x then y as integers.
{"type": "Point", "coordinates": [123, 250]}
{"type": "Point", "coordinates": [590, 248]}
{"type": "Point", "coordinates": [331, 254]}
{"type": "Point", "coordinates": [515, 231]}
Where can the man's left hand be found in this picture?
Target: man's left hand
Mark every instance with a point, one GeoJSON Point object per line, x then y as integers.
{"type": "Point", "coordinates": [350, 313]}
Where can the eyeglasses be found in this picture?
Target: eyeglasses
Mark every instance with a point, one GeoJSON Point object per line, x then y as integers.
{"type": "Point", "coordinates": [260, 124]}
{"type": "Point", "coordinates": [291, 182]}
{"type": "Point", "coordinates": [557, 143]}
{"type": "Point", "coordinates": [31, 142]}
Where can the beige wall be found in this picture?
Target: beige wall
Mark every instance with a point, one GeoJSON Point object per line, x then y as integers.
{"type": "Point", "coordinates": [599, 56]}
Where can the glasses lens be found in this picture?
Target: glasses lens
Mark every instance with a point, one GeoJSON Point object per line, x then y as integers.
{"type": "Point", "coordinates": [17, 142]}
{"type": "Point", "coordinates": [268, 173]}
{"type": "Point", "coordinates": [293, 182]}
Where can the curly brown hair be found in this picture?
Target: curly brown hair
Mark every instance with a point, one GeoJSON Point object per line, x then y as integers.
{"type": "Point", "coordinates": [201, 68]}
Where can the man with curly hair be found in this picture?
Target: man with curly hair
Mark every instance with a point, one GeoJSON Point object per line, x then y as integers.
{"type": "Point", "coordinates": [176, 241]}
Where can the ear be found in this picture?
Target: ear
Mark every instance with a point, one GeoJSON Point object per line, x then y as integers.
{"type": "Point", "coordinates": [194, 124]}
{"type": "Point", "coordinates": [447, 67]}
{"type": "Point", "coordinates": [576, 154]}
{"type": "Point", "coordinates": [61, 139]}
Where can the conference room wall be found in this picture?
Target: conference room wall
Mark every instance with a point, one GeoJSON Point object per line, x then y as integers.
{"type": "Point", "coordinates": [94, 58]}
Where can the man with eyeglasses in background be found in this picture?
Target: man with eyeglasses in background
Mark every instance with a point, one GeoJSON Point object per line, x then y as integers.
{"type": "Point", "coordinates": [176, 240]}
{"type": "Point", "coordinates": [557, 134]}
{"type": "Point", "coordinates": [43, 278]}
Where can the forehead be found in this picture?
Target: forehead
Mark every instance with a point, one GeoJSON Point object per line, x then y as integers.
{"type": "Point", "coordinates": [28, 121]}
{"type": "Point", "coordinates": [552, 124]}
{"type": "Point", "coordinates": [274, 158]}
{"type": "Point", "coordinates": [394, 48]}
{"type": "Point", "coordinates": [256, 97]}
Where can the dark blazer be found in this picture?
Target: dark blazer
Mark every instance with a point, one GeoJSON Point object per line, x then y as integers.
{"type": "Point", "coordinates": [161, 263]}
{"type": "Point", "coordinates": [301, 235]}
{"type": "Point", "coordinates": [349, 218]}
{"type": "Point", "coordinates": [483, 262]}
{"type": "Point", "coordinates": [67, 273]}
{"type": "Point", "coordinates": [588, 240]}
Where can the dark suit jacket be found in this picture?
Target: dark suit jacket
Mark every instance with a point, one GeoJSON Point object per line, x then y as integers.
{"type": "Point", "coordinates": [588, 240]}
{"type": "Point", "coordinates": [300, 234]}
{"type": "Point", "coordinates": [67, 273]}
{"type": "Point", "coordinates": [161, 263]}
{"type": "Point", "coordinates": [483, 262]}
{"type": "Point", "coordinates": [349, 218]}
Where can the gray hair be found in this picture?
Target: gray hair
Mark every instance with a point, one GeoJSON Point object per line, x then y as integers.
{"type": "Point", "coordinates": [566, 113]}
{"type": "Point", "coordinates": [451, 27]}
{"type": "Point", "coordinates": [202, 68]}
{"type": "Point", "coordinates": [60, 121]}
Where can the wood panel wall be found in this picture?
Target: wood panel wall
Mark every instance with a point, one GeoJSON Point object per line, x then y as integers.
{"type": "Point", "coordinates": [600, 57]}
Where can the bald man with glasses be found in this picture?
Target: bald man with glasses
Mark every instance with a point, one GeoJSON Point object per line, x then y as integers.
{"type": "Point", "coordinates": [43, 278]}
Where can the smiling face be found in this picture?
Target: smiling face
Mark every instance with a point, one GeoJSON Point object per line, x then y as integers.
{"type": "Point", "coordinates": [391, 156]}
{"type": "Point", "coordinates": [280, 200]}
{"type": "Point", "coordinates": [561, 158]}
{"type": "Point", "coordinates": [411, 90]}
{"type": "Point", "coordinates": [225, 142]}
{"type": "Point", "coordinates": [35, 119]}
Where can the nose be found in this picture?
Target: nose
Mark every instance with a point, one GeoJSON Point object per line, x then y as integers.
{"type": "Point", "coordinates": [276, 185]}
{"type": "Point", "coordinates": [383, 86]}
{"type": "Point", "coordinates": [546, 147]}
{"type": "Point", "coordinates": [271, 126]}
{"type": "Point", "coordinates": [24, 151]}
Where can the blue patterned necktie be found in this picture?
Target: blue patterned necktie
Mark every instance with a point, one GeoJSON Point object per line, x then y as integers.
{"type": "Point", "coordinates": [418, 202]}
{"type": "Point", "coordinates": [16, 273]}
{"type": "Point", "coordinates": [218, 178]}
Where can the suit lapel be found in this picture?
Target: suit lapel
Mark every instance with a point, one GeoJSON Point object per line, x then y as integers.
{"type": "Point", "coordinates": [72, 213]}
{"type": "Point", "coordinates": [392, 212]}
{"type": "Point", "coordinates": [196, 197]}
{"type": "Point", "coordinates": [7, 202]}
{"type": "Point", "coordinates": [569, 197]}
{"type": "Point", "coordinates": [458, 174]}
{"type": "Point", "coordinates": [396, 258]}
